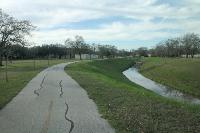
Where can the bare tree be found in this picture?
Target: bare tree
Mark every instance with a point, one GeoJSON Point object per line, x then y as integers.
{"type": "Point", "coordinates": [79, 45]}
{"type": "Point", "coordinates": [191, 44]}
{"type": "Point", "coordinates": [186, 44]}
{"type": "Point", "coordinates": [195, 45]}
{"type": "Point", "coordinates": [143, 51]}
{"type": "Point", "coordinates": [12, 31]}
{"type": "Point", "coordinates": [172, 47]}
{"type": "Point", "coordinates": [160, 50]}
{"type": "Point", "coordinates": [70, 47]}
{"type": "Point", "coordinates": [107, 50]}
{"type": "Point", "coordinates": [92, 49]}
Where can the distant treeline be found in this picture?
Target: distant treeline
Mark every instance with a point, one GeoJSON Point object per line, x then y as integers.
{"type": "Point", "coordinates": [59, 51]}
{"type": "Point", "coordinates": [187, 45]}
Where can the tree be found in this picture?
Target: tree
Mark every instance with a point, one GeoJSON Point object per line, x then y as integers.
{"type": "Point", "coordinates": [107, 50]}
{"type": "Point", "coordinates": [191, 44]}
{"type": "Point", "coordinates": [79, 45]}
{"type": "Point", "coordinates": [123, 53]}
{"type": "Point", "coordinates": [113, 50]}
{"type": "Point", "coordinates": [143, 51]}
{"type": "Point", "coordinates": [69, 45]}
{"type": "Point", "coordinates": [188, 45]}
{"type": "Point", "coordinates": [12, 31]}
{"type": "Point", "coordinates": [172, 47]}
{"type": "Point", "coordinates": [91, 49]}
{"type": "Point", "coordinates": [133, 52]}
{"type": "Point", "coordinates": [160, 50]}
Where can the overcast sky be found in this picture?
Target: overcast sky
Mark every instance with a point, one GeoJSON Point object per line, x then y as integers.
{"type": "Point", "coordinates": [125, 23]}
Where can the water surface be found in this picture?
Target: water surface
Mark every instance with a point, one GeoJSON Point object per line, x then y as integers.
{"type": "Point", "coordinates": [133, 75]}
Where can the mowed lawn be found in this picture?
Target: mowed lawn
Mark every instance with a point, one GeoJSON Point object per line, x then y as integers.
{"type": "Point", "coordinates": [178, 73]}
{"type": "Point", "coordinates": [128, 107]}
{"type": "Point", "coordinates": [19, 74]}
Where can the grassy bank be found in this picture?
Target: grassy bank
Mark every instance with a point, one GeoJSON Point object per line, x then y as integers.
{"type": "Point", "coordinates": [19, 74]}
{"type": "Point", "coordinates": [181, 74]}
{"type": "Point", "coordinates": [128, 107]}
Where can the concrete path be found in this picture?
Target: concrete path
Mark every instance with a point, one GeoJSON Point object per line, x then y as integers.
{"type": "Point", "coordinates": [52, 102]}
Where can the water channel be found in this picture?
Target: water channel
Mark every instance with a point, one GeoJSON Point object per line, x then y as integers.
{"type": "Point", "coordinates": [133, 75]}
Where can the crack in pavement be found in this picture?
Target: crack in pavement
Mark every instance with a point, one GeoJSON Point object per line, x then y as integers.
{"type": "Point", "coordinates": [72, 123]}
{"type": "Point", "coordinates": [41, 86]}
{"type": "Point", "coordinates": [67, 108]}
{"type": "Point", "coordinates": [46, 124]}
{"type": "Point", "coordinates": [61, 88]}
{"type": "Point", "coordinates": [38, 114]}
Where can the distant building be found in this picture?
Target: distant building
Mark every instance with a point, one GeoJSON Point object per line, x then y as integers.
{"type": "Point", "coordinates": [189, 56]}
{"type": "Point", "coordinates": [86, 56]}
{"type": "Point", "coordinates": [149, 55]}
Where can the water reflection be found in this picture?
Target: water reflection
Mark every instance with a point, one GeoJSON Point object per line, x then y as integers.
{"type": "Point", "coordinates": [133, 75]}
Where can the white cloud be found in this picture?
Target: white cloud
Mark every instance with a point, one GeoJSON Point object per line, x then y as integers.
{"type": "Point", "coordinates": [115, 31]}
{"type": "Point", "coordinates": [48, 14]}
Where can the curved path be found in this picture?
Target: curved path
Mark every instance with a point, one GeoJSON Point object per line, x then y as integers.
{"type": "Point", "coordinates": [52, 102]}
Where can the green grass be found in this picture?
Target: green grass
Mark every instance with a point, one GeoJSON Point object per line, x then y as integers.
{"type": "Point", "coordinates": [19, 74]}
{"type": "Point", "coordinates": [181, 74]}
{"type": "Point", "coordinates": [128, 107]}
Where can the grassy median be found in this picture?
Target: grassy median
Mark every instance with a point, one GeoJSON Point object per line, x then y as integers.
{"type": "Point", "coordinates": [178, 73]}
{"type": "Point", "coordinates": [128, 107]}
{"type": "Point", "coordinates": [19, 74]}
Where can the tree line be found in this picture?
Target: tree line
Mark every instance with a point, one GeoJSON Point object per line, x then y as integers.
{"type": "Point", "coordinates": [63, 51]}
{"type": "Point", "coordinates": [187, 46]}
{"type": "Point", "coordinates": [78, 46]}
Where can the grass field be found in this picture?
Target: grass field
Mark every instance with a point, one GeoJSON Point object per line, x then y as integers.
{"type": "Point", "coordinates": [181, 74]}
{"type": "Point", "coordinates": [19, 74]}
{"type": "Point", "coordinates": [129, 107]}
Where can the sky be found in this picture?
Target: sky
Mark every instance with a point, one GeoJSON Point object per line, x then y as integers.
{"type": "Point", "coordinates": [127, 24]}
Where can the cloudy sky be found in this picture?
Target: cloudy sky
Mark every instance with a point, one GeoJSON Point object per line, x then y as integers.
{"type": "Point", "coordinates": [125, 23]}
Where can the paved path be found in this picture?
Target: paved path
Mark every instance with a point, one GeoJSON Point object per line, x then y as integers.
{"type": "Point", "coordinates": [52, 102]}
